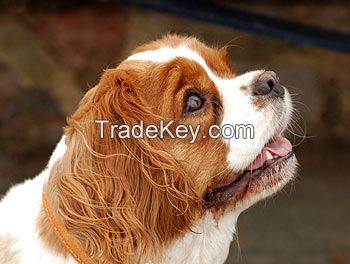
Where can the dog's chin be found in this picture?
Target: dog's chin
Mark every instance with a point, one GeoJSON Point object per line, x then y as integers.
{"type": "Point", "coordinates": [240, 192]}
{"type": "Point", "coordinates": [269, 182]}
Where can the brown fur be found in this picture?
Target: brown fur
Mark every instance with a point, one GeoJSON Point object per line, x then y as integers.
{"type": "Point", "coordinates": [244, 88]}
{"type": "Point", "coordinates": [126, 200]}
{"type": "Point", "coordinates": [259, 103]}
{"type": "Point", "coordinates": [216, 58]}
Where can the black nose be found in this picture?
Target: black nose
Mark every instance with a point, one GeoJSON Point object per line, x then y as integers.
{"type": "Point", "coordinates": [268, 84]}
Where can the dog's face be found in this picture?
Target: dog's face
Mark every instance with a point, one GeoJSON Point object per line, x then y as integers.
{"type": "Point", "coordinates": [168, 184]}
{"type": "Point", "coordinates": [195, 85]}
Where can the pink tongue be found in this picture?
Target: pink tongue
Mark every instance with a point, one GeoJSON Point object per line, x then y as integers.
{"type": "Point", "coordinates": [278, 148]}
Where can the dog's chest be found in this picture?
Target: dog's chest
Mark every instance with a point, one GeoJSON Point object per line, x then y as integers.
{"type": "Point", "coordinates": [208, 243]}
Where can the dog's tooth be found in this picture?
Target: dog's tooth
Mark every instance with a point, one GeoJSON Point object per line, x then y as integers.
{"type": "Point", "coordinates": [268, 155]}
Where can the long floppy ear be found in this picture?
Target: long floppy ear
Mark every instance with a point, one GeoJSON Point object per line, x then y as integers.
{"type": "Point", "coordinates": [124, 199]}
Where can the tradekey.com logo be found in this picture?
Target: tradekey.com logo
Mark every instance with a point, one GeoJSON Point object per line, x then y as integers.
{"type": "Point", "coordinates": [163, 129]}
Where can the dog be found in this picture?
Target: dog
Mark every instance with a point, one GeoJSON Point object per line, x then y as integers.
{"type": "Point", "coordinates": [107, 199]}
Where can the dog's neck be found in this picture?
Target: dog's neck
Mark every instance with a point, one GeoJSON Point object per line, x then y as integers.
{"type": "Point", "coordinates": [207, 242]}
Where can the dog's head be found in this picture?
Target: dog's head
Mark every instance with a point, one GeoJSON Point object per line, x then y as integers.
{"type": "Point", "coordinates": [132, 198]}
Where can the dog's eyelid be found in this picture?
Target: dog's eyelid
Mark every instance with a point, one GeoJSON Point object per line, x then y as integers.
{"type": "Point", "coordinates": [194, 90]}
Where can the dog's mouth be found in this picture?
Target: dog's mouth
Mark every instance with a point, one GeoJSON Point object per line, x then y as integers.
{"type": "Point", "coordinates": [263, 170]}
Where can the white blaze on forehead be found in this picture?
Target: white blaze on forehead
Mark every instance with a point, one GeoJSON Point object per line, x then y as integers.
{"type": "Point", "coordinates": [165, 54]}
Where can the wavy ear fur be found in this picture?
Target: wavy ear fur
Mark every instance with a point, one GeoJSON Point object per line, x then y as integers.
{"type": "Point", "coordinates": [125, 200]}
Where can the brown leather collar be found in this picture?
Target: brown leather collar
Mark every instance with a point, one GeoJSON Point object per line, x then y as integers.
{"type": "Point", "coordinates": [71, 243]}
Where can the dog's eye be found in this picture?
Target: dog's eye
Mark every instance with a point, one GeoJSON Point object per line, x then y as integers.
{"type": "Point", "coordinates": [194, 102]}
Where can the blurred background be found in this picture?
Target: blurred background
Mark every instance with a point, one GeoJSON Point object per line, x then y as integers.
{"type": "Point", "coordinates": [52, 52]}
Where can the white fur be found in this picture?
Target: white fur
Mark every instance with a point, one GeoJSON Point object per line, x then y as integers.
{"type": "Point", "coordinates": [212, 245]}
{"type": "Point", "coordinates": [18, 215]}
{"type": "Point", "coordinates": [267, 121]}
{"type": "Point", "coordinates": [238, 108]}
{"type": "Point", "coordinates": [210, 240]}
{"type": "Point", "coordinates": [208, 243]}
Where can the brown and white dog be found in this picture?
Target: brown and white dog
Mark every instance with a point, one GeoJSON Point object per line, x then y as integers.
{"type": "Point", "coordinates": [159, 200]}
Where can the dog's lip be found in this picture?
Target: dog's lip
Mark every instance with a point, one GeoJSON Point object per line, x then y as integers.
{"type": "Point", "coordinates": [278, 146]}
{"type": "Point", "coordinates": [235, 189]}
